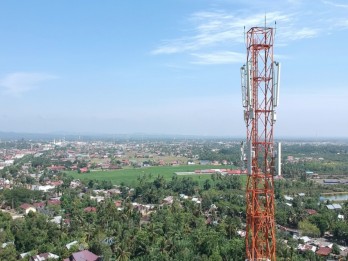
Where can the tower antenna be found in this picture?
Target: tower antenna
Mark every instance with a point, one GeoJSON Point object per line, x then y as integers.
{"type": "Point", "coordinates": [260, 78]}
{"type": "Point", "coordinates": [275, 28]}
{"type": "Point", "coordinates": [245, 38]}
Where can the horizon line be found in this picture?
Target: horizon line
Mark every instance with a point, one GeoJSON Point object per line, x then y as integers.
{"type": "Point", "coordinates": [159, 135]}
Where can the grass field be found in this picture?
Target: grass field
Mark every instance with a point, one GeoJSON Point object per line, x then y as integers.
{"type": "Point", "coordinates": [129, 176]}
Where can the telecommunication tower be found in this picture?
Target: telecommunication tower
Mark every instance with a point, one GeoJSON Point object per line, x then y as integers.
{"type": "Point", "coordinates": [260, 92]}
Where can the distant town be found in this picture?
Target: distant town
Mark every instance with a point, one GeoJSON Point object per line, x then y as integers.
{"type": "Point", "coordinates": [78, 189]}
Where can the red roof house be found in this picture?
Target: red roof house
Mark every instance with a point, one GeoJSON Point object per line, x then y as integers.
{"type": "Point", "coordinates": [39, 205]}
{"type": "Point", "coordinates": [235, 172]}
{"type": "Point", "coordinates": [56, 183]}
{"type": "Point", "coordinates": [53, 202]}
{"type": "Point", "coordinates": [90, 209]}
{"type": "Point", "coordinates": [118, 203]}
{"type": "Point", "coordinates": [83, 255]}
{"type": "Point", "coordinates": [84, 170]}
{"type": "Point", "coordinates": [27, 208]}
{"type": "Point", "coordinates": [311, 211]}
{"type": "Point", "coordinates": [324, 251]}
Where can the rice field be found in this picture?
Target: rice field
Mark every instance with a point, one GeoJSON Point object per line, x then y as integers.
{"type": "Point", "coordinates": [129, 176]}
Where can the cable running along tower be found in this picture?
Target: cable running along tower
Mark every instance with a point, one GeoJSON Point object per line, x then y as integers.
{"type": "Point", "coordinates": [260, 92]}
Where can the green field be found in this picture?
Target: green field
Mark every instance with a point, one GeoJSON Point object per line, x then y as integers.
{"type": "Point", "coordinates": [129, 176]}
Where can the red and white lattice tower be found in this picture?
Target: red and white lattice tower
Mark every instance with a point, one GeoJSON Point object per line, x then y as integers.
{"type": "Point", "coordinates": [260, 85]}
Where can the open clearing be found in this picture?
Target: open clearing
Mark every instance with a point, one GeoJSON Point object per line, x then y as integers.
{"type": "Point", "coordinates": [129, 176]}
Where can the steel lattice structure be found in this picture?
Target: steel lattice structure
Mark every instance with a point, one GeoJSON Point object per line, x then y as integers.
{"type": "Point", "coordinates": [260, 83]}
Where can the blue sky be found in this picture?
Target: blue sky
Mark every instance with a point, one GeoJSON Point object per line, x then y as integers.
{"type": "Point", "coordinates": [167, 67]}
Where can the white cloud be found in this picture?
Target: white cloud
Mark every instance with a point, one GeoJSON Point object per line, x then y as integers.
{"type": "Point", "coordinates": [302, 33]}
{"type": "Point", "coordinates": [21, 82]}
{"type": "Point", "coordinates": [215, 28]}
{"type": "Point", "coordinates": [343, 23]}
{"type": "Point", "coordinates": [211, 28]}
{"type": "Point", "coordinates": [223, 57]}
{"type": "Point", "coordinates": [174, 46]}
{"type": "Point", "coordinates": [335, 4]}
{"type": "Point", "coordinates": [209, 33]}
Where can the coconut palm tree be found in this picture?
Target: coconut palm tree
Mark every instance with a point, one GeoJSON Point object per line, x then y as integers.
{"type": "Point", "coordinates": [122, 253]}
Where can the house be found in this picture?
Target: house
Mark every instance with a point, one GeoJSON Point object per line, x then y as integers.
{"type": "Point", "coordinates": [241, 233]}
{"type": "Point", "coordinates": [311, 211]}
{"type": "Point", "coordinates": [69, 245]}
{"type": "Point", "coordinates": [45, 188]}
{"type": "Point", "coordinates": [75, 184]}
{"type": "Point", "coordinates": [306, 247]}
{"type": "Point", "coordinates": [43, 257]}
{"type": "Point", "coordinates": [55, 183]}
{"type": "Point", "coordinates": [125, 162]}
{"type": "Point", "coordinates": [334, 206]}
{"type": "Point", "coordinates": [84, 170]}
{"type": "Point", "coordinates": [294, 232]}
{"type": "Point", "coordinates": [331, 181]}
{"type": "Point", "coordinates": [288, 198]}
{"type": "Point", "coordinates": [337, 206]}
{"type": "Point", "coordinates": [143, 209]}
{"type": "Point", "coordinates": [90, 209]}
{"type": "Point", "coordinates": [113, 167]}
{"type": "Point", "coordinates": [174, 163]}
{"type": "Point", "coordinates": [310, 248]}
{"type": "Point", "coordinates": [54, 202]}
{"type": "Point", "coordinates": [54, 168]}
{"type": "Point", "coordinates": [39, 205]}
{"type": "Point", "coordinates": [56, 219]}
{"type": "Point", "coordinates": [183, 196]}
{"type": "Point", "coordinates": [83, 255]}
{"type": "Point", "coordinates": [215, 163]}
{"type": "Point", "coordinates": [97, 198]}
{"type": "Point", "coordinates": [168, 200]}
{"type": "Point", "coordinates": [3, 245]}
{"type": "Point", "coordinates": [322, 243]}
{"type": "Point", "coordinates": [114, 191]}
{"type": "Point", "coordinates": [235, 172]}
{"type": "Point", "coordinates": [196, 200]}
{"type": "Point", "coordinates": [146, 164]}
{"type": "Point", "coordinates": [324, 251]}
{"type": "Point", "coordinates": [118, 203]}
{"type": "Point", "coordinates": [23, 255]}
{"type": "Point", "coordinates": [161, 163]}
{"type": "Point", "coordinates": [27, 208]}
{"type": "Point", "coordinates": [305, 239]}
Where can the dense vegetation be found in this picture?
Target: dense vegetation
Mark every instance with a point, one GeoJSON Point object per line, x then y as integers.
{"type": "Point", "coordinates": [178, 231]}
{"type": "Point", "coordinates": [319, 158]}
{"type": "Point", "coordinates": [183, 230]}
